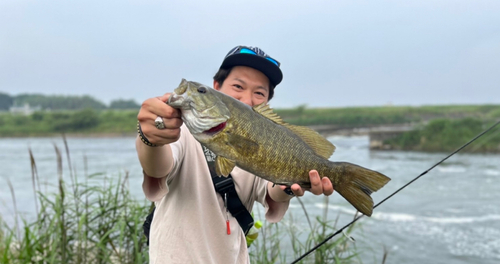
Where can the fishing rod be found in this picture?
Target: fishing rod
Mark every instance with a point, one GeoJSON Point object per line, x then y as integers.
{"type": "Point", "coordinates": [394, 193]}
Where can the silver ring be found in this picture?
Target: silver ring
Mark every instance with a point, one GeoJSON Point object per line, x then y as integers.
{"type": "Point", "coordinates": [159, 123]}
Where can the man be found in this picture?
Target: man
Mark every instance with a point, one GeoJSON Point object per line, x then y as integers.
{"type": "Point", "coordinates": [191, 223]}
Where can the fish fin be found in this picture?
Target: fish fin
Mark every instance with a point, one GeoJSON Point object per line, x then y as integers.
{"type": "Point", "coordinates": [318, 143]}
{"type": "Point", "coordinates": [182, 87]}
{"type": "Point", "coordinates": [243, 145]}
{"type": "Point", "coordinates": [356, 184]}
{"type": "Point", "coordinates": [266, 111]}
{"type": "Point", "coordinates": [223, 166]}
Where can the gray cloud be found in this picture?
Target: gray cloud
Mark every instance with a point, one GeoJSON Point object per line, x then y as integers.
{"type": "Point", "coordinates": [333, 53]}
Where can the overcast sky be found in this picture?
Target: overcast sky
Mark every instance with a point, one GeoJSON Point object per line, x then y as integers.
{"type": "Point", "coordinates": [333, 53]}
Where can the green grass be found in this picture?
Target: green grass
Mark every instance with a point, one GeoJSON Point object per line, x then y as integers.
{"type": "Point", "coordinates": [367, 116]}
{"type": "Point", "coordinates": [340, 249]}
{"type": "Point", "coordinates": [83, 122]}
{"type": "Point", "coordinates": [448, 135]}
{"type": "Point", "coordinates": [94, 221]}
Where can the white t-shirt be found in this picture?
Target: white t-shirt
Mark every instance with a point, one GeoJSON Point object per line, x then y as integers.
{"type": "Point", "coordinates": [189, 224]}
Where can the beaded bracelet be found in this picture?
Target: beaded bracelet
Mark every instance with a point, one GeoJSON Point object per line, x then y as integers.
{"type": "Point", "coordinates": [288, 190]}
{"type": "Point", "coordinates": [143, 138]}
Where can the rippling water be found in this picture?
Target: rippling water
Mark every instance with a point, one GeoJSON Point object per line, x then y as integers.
{"type": "Point", "coordinates": [450, 215]}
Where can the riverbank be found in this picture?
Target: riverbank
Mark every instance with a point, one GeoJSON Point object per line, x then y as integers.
{"type": "Point", "coordinates": [443, 135]}
{"type": "Point", "coordinates": [75, 135]}
{"type": "Point", "coordinates": [86, 122]}
{"type": "Point", "coordinates": [328, 121]}
{"type": "Point", "coordinates": [90, 121]}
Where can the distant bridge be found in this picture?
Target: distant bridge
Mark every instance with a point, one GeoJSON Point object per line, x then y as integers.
{"type": "Point", "coordinates": [377, 134]}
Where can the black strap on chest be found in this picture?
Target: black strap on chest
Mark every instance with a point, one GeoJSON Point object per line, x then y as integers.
{"type": "Point", "coordinates": [225, 187]}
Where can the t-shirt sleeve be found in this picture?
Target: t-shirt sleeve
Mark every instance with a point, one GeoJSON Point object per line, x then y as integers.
{"type": "Point", "coordinates": [274, 210]}
{"type": "Point", "coordinates": [155, 188]}
{"type": "Point", "coordinates": [178, 153]}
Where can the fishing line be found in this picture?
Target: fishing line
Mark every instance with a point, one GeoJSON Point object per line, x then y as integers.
{"type": "Point", "coordinates": [394, 193]}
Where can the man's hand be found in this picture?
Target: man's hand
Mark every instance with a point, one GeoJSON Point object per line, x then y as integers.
{"type": "Point", "coordinates": [154, 107]}
{"type": "Point", "coordinates": [318, 185]}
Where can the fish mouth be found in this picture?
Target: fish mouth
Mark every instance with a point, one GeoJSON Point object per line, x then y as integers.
{"type": "Point", "coordinates": [216, 129]}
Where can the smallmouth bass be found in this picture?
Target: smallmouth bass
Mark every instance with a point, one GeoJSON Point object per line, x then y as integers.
{"type": "Point", "coordinates": [259, 141]}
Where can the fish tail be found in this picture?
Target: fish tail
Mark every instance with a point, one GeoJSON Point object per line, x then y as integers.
{"type": "Point", "coordinates": [356, 183]}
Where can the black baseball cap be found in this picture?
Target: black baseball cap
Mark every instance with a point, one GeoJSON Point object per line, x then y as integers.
{"type": "Point", "coordinates": [255, 58]}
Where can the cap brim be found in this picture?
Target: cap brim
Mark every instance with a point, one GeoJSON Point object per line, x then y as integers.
{"type": "Point", "coordinates": [270, 69]}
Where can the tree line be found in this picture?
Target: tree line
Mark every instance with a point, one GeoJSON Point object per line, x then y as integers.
{"type": "Point", "coordinates": [60, 102]}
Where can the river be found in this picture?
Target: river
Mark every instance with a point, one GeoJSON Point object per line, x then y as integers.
{"type": "Point", "coordinates": [450, 215]}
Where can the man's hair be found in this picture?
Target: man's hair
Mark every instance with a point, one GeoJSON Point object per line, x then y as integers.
{"type": "Point", "coordinates": [222, 74]}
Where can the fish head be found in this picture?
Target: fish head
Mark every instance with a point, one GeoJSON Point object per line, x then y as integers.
{"type": "Point", "coordinates": [202, 110]}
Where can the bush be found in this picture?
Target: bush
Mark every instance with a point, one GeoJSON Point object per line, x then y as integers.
{"type": "Point", "coordinates": [38, 116]}
{"type": "Point", "coordinates": [447, 135]}
{"type": "Point", "coordinates": [80, 120]}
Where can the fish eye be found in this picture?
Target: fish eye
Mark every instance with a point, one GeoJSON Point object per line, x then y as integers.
{"type": "Point", "coordinates": [202, 90]}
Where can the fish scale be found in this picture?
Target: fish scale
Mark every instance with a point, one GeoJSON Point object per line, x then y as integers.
{"type": "Point", "coordinates": [283, 148]}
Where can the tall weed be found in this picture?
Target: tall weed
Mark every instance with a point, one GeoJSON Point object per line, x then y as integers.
{"type": "Point", "coordinates": [297, 239]}
{"type": "Point", "coordinates": [94, 221]}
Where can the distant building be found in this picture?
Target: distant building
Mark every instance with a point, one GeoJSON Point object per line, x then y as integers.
{"type": "Point", "coordinates": [24, 110]}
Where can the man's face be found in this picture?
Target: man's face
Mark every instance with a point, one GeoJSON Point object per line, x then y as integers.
{"type": "Point", "coordinates": [245, 84]}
